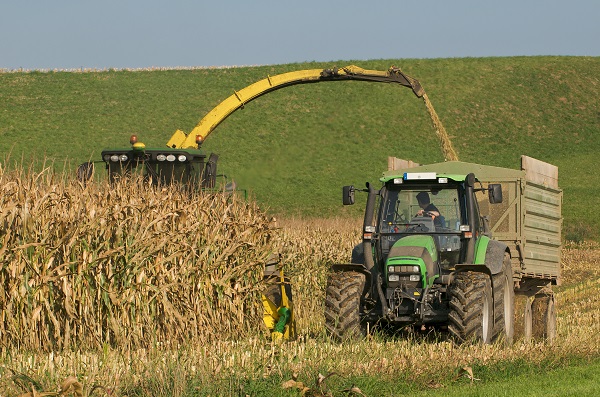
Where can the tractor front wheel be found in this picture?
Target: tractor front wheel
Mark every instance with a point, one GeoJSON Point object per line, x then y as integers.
{"type": "Point", "coordinates": [471, 307]}
{"type": "Point", "coordinates": [342, 305]}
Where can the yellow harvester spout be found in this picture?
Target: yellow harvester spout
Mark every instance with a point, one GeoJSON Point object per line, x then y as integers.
{"type": "Point", "coordinates": [195, 138]}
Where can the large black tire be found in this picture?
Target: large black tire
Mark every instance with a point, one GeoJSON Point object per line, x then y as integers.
{"type": "Point", "coordinates": [504, 303]}
{"type": "Point", "coordinates": [342, 306]}
{"type": "Point", "coordinates": [471, 308]}
{"type": "Point", "coordinates": [542, 318]}
{"type": "Point", "coordinates": [528, 320]}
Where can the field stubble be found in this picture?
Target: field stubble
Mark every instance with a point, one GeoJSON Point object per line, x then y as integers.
{"type": "Point", "coordinates": [152, 293]}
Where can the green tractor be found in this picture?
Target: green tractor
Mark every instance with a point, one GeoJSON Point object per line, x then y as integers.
{"type": "Point", "coordinates": [427, 260]}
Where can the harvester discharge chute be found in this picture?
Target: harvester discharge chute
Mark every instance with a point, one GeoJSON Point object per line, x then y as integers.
{"type": "Point", "coordinates": [272, 83]}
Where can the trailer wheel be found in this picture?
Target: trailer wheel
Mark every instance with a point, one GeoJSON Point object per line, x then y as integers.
{"type": "Point", "coordinates": [342, 306]}
{"type": "Point", "coordinates": [471, 307]}
{"type": "Point", "coordinates": [504, 302]}
{"type": "Point", "coordinates": [528, 320]}
{"type": "Point", "coordinates": [543, 317]}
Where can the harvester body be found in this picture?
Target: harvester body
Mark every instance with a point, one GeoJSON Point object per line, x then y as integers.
{"type": "Point", "coordinates": [164, 166]}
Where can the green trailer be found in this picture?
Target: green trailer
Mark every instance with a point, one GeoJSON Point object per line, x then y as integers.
{"type": "Point", "coordinates": [493, 233]}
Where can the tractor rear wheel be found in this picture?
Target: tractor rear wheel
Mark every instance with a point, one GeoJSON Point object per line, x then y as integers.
{"type": "Point", "coordinates": [471, 307]}
{"type": "Point", "coordinates": [504, 302]}
{"type": "Point", "coordinates": [342, 305]}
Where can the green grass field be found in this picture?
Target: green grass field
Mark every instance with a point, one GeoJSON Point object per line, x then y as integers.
{"type": "Point", "coordinates": [293, 149]}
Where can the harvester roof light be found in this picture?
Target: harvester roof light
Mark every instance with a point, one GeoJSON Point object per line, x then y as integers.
{"type": "Point", "coordinates": [138, 147]}
{"type": "Point", "coordinates": [161, 157]}
{"type": "Point", "coordinates": [123, 157]}
{"type": "Point", "coordinates": [171, 157]}
{"type": "Point", "coordinates": [413, 176]}
{"type": "Point", "coordinates": [398, 181]}
{"type": "Point", "coordinates": [114, 158]}
{"type": "Point", "coordinates": [443, 180]}
{"type": "Point", "coordinates": [133, 139]}
{"type": "Point", "coordinates": [181, 158]}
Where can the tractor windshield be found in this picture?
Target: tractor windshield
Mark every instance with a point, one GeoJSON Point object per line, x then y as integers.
{"type": "Point", "coordinates": [423, 209]}
{"type": "Point", "coordinates": [410, 210]}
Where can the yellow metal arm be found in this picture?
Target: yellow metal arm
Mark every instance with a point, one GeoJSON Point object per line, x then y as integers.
{"type": "Point", "coordinates": [271, 83]}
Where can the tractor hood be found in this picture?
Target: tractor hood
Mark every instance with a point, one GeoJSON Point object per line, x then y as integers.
{"type": "Point", "coordinates": [418, 250]}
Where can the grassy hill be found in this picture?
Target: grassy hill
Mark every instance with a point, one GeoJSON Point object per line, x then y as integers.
{"type": "Point", "coordinates": [295, 148]}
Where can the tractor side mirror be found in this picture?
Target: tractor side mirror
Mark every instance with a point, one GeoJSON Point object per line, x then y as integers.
{"type": "Point", "coordinates": [495, 193]}
{"type": "Point", "coordinates": [348, 195]}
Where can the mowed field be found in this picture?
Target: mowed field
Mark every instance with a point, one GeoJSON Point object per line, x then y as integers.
{"type": "Point", "coordinates": [125, 290]}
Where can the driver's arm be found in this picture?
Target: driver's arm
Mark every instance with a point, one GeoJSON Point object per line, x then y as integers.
{"type": "Point", "coordinates": [422, 212]}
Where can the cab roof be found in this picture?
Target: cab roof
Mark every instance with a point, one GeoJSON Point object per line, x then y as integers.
{"type": "Point", "coordinates": [457, 171]}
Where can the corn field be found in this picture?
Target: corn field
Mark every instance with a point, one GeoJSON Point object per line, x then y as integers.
{"type": "Point", "coordinates": [126, 285]}
{"type": "Point", "coordinates": [126, 264]}
{"type": "Point", "coordinates": [131, 265]}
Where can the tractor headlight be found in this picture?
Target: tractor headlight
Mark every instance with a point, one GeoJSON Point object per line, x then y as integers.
{"type": "Point", "coordinates": [404, 269]}
{"type": "Point", "coordinates": [181, 158]}
{"type": "Point", "coordinates": [414, 277]}
{"type": "Point", "coordinates": [123, 157]}
{"type": "Point", "coordinates": [161, 157]}
{"type": "Point", "coordinates": [114, 158]}
{"type": "Point", "coordinates": [171, 157]}
{"type": "Point", "coordinates": [393, 277]}
{"type": "Point", "coordinates": [408, 269]}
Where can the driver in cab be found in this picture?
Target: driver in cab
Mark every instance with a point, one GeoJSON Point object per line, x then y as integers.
{"type": "Point", "coordinates": [428, 209]}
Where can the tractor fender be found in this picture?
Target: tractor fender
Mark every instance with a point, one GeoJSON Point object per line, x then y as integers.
{"type": "Point", "coordinates": [490, 253]}
{"type": "Point", "coordinates": [351, 267]}
{"type": "Point", "coordinates": [494, 256]}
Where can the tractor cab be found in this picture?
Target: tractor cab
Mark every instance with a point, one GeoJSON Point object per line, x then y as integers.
{"type": "Point", "coordinates": [434, 207]}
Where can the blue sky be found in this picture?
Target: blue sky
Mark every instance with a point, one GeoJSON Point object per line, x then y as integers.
{"type": "Point", "coordinates": [61, 34]}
